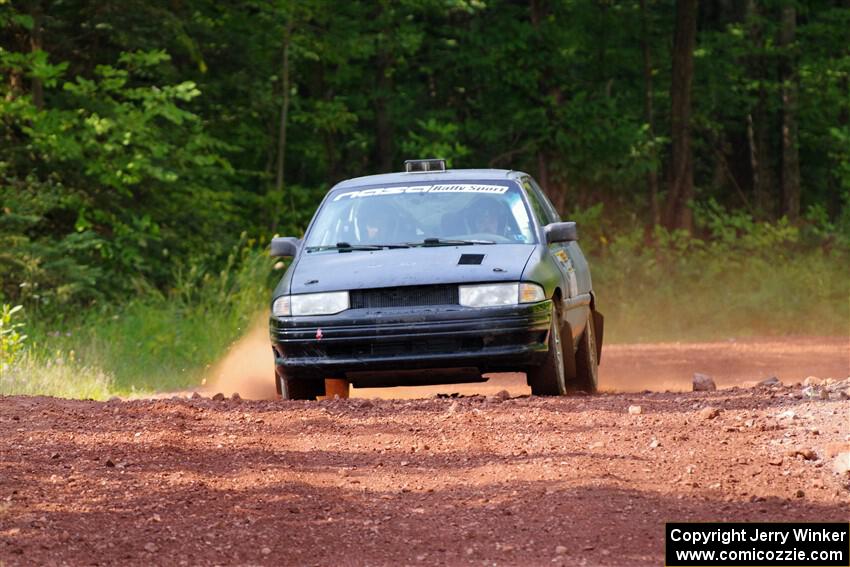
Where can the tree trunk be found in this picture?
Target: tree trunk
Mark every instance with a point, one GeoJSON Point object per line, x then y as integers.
{"type": "Point", "coordinates": [554, 188]}
{"type": "Point", "coordinates": [284, 109]}
{"type": "Point", "coordinates": [652, 174]}
{"type": "Point", "coordinates": [790, 149]}
{"type": "Point", "coordinates": [758, 121]}
{"type": "Point", "coordinates": [383, 125]}
{"type": "Point", "coordinates": [677, 211]}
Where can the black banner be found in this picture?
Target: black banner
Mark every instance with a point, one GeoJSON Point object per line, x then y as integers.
{"type": "Point", "coordinates": [757, 544]}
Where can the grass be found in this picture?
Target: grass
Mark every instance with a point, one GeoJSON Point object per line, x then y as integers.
{"type": "Point", "coordinates": [759, 280]}
{"type": "Point", "coordinates": [712, 295]}
{"type": "Point", "coordinates": [59, 375]}
{"type": "Point", "coordinates": [161, 343]}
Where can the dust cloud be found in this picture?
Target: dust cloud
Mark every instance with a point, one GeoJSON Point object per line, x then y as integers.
{"type": "Point", "coordinates": [248, 369]}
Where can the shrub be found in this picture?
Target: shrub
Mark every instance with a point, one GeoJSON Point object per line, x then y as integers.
{"type": "Point", "coordinates": [11, 338]}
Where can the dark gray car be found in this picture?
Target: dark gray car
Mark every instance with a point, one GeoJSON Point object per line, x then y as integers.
{"type": "Point", "coordinates": [435, 277]}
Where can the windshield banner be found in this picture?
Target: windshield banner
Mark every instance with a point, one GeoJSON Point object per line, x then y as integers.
{"type": "Point", "coordinates": [455, 188]}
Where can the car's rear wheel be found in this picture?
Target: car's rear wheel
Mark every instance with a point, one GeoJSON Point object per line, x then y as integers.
{"type": "Point", "coordinates": [300, 389]}
{"type": "Point", "coordinates": [587, 360]}
{"type": "Point", "coordinates": [548, 379]}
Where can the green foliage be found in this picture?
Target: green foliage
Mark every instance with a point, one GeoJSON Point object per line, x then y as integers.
{"type": "Point", "coordinates": [102, 192]}
{"type": "Point", "coordinates": [11, 338]}
{"type": "Point", "coordinates": [745, 278]}
{"type": "Point", "coordinates": [138, 144]}
{"type": "Point", "coordinates": [55, 374]}
{"type": "Point", "coordinates": [435, 139]}
{"type": "Point", "coordinates": [168, 342]}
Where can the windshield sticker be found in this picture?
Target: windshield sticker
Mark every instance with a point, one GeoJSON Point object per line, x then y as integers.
{"type": "Point", "coordinates": [460, 188]}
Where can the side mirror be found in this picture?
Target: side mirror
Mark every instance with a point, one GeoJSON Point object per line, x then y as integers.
{"type": "Point", "coordinates": [285, 246]}
{"type": "Point", "coordinates": [561, 232]}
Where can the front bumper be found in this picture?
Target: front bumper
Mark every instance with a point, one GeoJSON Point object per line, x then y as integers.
{"type": "Point", "coordinates": [491, 339]}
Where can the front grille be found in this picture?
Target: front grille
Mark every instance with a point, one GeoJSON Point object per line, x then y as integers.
{"type": "Point", "coordinates": [408, 296]}
{"type": "Point", "coordinates": [430, 345]}
{"type": "Point", "coordinates": [413, 346]}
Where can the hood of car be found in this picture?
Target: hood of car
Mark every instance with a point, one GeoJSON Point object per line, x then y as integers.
{"type": "Point", "coordinates": [334, 271]}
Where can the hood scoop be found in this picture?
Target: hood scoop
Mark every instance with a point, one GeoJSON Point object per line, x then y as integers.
{"type": "Point", "coordinates": [470, 259]}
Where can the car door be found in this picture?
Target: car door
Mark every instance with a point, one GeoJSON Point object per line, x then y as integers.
{"type": "Point", "coordinates": [570, 260]}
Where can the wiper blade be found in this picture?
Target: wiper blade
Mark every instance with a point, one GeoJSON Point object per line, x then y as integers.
{"type": "Point", "coordinates": [347, 247]}
{"type": "Point", "coordinates": [344, 247]}
{"type": "Point", "coordinates": [450, 242]}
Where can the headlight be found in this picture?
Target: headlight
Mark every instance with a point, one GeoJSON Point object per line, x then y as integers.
{"type": "Point", "coordinates": [311, 304]}
{"type": "Point", "coordinates": [489, 295]}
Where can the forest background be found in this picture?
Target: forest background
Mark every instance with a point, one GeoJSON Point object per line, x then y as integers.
{"type": "Point", "coordinates": [149, 150]}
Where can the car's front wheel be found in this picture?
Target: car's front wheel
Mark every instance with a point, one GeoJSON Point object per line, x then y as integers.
{"type": "Point", "coordinates": [587, 360]}
{"type": "Point", "coordinates": [548, 379]}
{"type": "Point", "coordinates": [299, 389]}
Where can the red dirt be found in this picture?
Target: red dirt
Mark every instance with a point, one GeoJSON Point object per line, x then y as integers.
{"type": "Point", "coordinates": [247, 368]}
{"type": "Point", "coordinates": [472, 480]}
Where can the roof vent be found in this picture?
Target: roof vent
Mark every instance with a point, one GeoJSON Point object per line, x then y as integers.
{"type": "Point", "coordinates": [420, 165]}
{"type": "Point", "coordinates": [470, 259]}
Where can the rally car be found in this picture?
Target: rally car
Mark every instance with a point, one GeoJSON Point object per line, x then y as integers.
{"type": "Point", "coordinates": [435, 276]}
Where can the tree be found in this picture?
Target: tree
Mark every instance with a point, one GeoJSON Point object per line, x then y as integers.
{"type": "Point", "coordinates": [790, 148]}
{"type": "Point", "coordinates": [678, 213]}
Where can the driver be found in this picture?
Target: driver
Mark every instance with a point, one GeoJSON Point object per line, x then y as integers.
{"type": "Point", "coordinates": [375, 221]}
{"type": "Point", "coordinates": [486, 217]}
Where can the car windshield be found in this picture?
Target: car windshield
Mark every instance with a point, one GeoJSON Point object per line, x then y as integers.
{"type": "Point", "coordinates": [422, 214]}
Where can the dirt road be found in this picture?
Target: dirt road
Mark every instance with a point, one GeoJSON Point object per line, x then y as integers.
{"type": "Point", "coordinates": [468, 481]}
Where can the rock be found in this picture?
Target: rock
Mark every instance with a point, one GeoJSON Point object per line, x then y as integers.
{"type": "Point", "coordinates": [815, 393]}
{"type": "Point", "coordinates": [812, 381]}
{"type": "Point", "coordinates": [703, 383]}
{"type": "Point", "coordinates": [806, 453]}
{"type": "Point", "coordinates": [502, 395]}
{"type": "Point", "coordinates": [787, 415]}
{"type": "Point", "coordinates": [560, 550]}
{"type": "Point", "coordinates": [635, 410]}
{"type": "Point", "coordinates": [266, 551]}
{"type": "Point", "coordinates": [54, 456]}
{"type": "Point", "coordinates": [218, 397]}
{"type": "Point", "coordinates": [196, 396]}
{"type": "Point", "coordinates": [775, 461]}
{"type": "Point", "coordinates": [655, 443]}
{"type": "Point", "coordinates": [236, 397]}
{"type": "Point", "coordinates": [709, 412]}
{"type": "Point", "coordinates": [841, 465]}
{"type": "Point", "coordinates": [772, 381]}
{"type": "Point", "coordinates": [799, 494]}
{"type": "Point", "coordinates": [834, 449]}
{"type": "Point", "coordinates": [109, 463]}
{"type": "Point", "coordinates": [151, 547]}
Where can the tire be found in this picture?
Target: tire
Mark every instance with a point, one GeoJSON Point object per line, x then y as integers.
{"type": "Point", "coordinates": [587, 360]}
{"type": "Point", "coordinates": [295, 389]}
{"type": "Point", "coordinates": [549, 379]}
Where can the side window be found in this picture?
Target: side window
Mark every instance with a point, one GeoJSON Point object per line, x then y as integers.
{"type": "Point", "coordinates": [537, 201]}
{"type": "Point", "coordinates": [553, 214]}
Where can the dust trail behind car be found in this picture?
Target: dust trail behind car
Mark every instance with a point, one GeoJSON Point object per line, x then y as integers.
{"type": "Point", "coordinates": [247, 367]}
